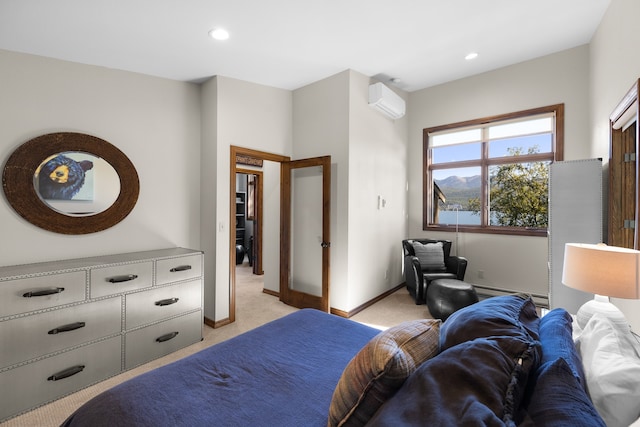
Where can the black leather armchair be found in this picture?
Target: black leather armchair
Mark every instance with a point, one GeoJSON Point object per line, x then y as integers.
{"type": "Point", "coordinates": [418, 280]}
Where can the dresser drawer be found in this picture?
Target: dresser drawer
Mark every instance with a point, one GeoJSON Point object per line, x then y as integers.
{"type": "Point", "coordinates": [40, 292]}
{"type": "Point", "coordinates": [120, 278]}
{"type": "Point", "coordinates": [157, 340]}
{"type": "Point", "coordinates": [33, 384]}
{"type": "Point", "coordinates": [160, 303]}
{"type": "Point", "coordinates": [28, 337]}
{"type": "Point", "coordinates": [175, 269]}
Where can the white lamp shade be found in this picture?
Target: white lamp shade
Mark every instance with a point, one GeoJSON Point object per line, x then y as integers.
{"type": "Point", "coordinates": [604, 270]}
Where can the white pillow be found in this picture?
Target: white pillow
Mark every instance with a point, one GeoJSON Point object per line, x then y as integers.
{"type": "Point", "coordinates": [611, 360]}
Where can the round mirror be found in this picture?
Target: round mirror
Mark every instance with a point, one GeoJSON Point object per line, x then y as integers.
{"type": "Point", "coordinates": [70, 183]}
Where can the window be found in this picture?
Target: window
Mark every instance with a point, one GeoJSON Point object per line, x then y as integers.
{"type": "Point", "coordinates": [491, 174]}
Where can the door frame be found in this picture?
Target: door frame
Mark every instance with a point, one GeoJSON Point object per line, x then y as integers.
{"type": "Point", "coordinates": [624, 185]}
{"type": "Point", "coordinates": [256, 154]}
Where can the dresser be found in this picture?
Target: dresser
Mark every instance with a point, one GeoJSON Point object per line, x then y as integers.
{"type": "Point", "coordinates": [65, 325]}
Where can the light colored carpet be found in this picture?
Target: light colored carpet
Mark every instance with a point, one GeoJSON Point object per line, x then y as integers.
{"type": "Point", "coordinates": [253, 308]}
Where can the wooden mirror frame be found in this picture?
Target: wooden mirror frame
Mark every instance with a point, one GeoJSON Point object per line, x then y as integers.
{"type": "Point", "coordinates": [18, 185]}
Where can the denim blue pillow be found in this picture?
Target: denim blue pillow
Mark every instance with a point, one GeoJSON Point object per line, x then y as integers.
{"type": "Point", "coordinates": [508, 315]}
{"type": "Point", "coordinates": [559, 399]}
{"type": "Point", "coordinates": [556, 337]}
{"type": "Point", "coordinates": [479, 382]}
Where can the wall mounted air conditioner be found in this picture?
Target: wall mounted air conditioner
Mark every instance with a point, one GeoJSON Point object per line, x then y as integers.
{"type": "Point", "coordinates": [386, 101]}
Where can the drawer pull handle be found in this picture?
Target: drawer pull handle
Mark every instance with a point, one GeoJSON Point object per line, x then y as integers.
{"type": "Point", "coordinates": [167, 337]}
{"type": "Point", "coordinates": [42, 292]}
{"type": "Point", "coordinates": [66, 373]}
{"type": "Point", "coordinates": [167, 301]}
{"type": "Point", "coordinates": [180, 268]}
{"type": "Point", "coordinates": [67, 328]}
{"type": "Point", "coordinates": [123, 278]}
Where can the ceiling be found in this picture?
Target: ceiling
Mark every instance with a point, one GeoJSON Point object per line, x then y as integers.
{"type": "Point", "coordinates": [291, 43]}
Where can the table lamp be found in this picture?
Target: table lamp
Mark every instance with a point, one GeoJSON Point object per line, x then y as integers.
{"type": "Point", "coordinates": [606, 271]}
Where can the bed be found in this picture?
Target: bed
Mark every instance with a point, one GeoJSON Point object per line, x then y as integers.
{"type": "Point", "coordinates": [493, 363]}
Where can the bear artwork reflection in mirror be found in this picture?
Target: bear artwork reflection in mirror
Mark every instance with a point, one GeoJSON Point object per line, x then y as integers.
{"type": "Point", "coordinates": [76, 183]}
{"type": "Point", "coordinates": [62, 177]}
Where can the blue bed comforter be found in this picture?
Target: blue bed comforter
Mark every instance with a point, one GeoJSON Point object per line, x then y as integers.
{"type": "Point", "coordinates": [280, 374]}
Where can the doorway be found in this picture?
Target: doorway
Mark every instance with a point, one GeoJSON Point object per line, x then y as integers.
{"type": "Point", "coordinates": [288, 292]}
{"type": "Point", "coordinates": [248, 235]}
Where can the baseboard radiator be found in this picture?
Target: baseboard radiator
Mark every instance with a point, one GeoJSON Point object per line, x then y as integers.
{"type": "Point", "coordinates": [489, 291]}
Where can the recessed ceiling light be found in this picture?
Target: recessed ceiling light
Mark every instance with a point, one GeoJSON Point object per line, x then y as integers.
{"type": "Point", "coordinates": [219, 34]}
{"type": "Point", "coordinates": [470, 56]}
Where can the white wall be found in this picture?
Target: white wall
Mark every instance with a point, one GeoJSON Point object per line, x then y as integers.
{"type": "Point", "coordinates": [246, 115]}
{"type": "Point", "coordinates": [377, 167]}
{"type": "Point", "coordinates": [320, 128]}
{"type": "Point", "coordinates": [368, 152]}
{"type": "Point", "coordinates": [510, 262]}
{"type": "Point", "coordinates": [209, 194]}
{"type": "Point", "coordinates": [615, 67]}
{"type": "Point", "coordinates": [155, 122]}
